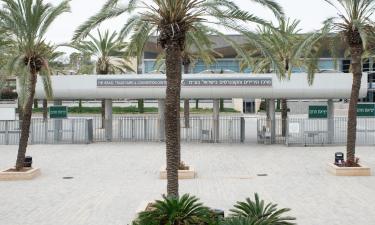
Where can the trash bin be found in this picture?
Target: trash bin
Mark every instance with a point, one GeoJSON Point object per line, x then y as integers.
{"type": "Point", "coordinates": [28, 161]}
{"type": "Point", "coordinates": [339, 158]}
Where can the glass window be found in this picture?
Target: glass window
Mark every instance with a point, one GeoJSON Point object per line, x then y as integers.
{"type": "Point", "coordinates": [149, 66]}
{"type": "Point", "coordinates": [325, 64]}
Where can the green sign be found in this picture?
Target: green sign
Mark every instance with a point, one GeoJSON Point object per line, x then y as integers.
{"type": "Point", "coordinates": [366, 110]}
{"type": "Point", "coordinates": [58, 112]}
{"type": "Point", "coordinates": [318, 112]}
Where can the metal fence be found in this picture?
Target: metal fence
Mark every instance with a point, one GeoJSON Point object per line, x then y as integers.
{"type": "Point", "coordinates": [308, 132]}
{"type": "Point", "coordinates": [147, 129]}
{"type": "Point", "coordinates": [304, 131]}
{"type": "Point", "coordinates": [202, 130]}
{"type": "Point", "coordinates": [130, 128]}
{"type": "Point", "coordinates": [56, 131]}
{"type": "Point", "coordinates": [264, 132]}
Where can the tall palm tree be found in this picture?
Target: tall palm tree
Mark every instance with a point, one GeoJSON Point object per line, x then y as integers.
{"type": "Point", "coordinates": [355, 26]}
{"type": "Point", "coordinates": [172, 20]}
{"type": "Point", "coordinates": [291, 48]}
{"type": "Point", "coordinates": [27, 22]}
{"type": "Point", "coordinates": [198, 46]}
{"type": "Point", "coordinates": [109, 50]}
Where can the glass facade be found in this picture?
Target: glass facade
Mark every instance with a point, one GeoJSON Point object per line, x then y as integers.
{"type": "Point", "coordinates": [234, 65]}
{"type": "Point", "coordinates": [220, 64]}
{"type": "Point", "coordinates": [326, 64]}
{"type": "Point", "coordinates": [371, 88]}
{"type": "Point", "coordinates": [149, 65]}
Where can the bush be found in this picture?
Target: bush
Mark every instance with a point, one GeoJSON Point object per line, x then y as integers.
{"type": "Point", "coordinates": [175, 211]}
{"type": "Point", "coordinates": [186, 210]}
{"type": "Point", "coordinates": [258, 211]}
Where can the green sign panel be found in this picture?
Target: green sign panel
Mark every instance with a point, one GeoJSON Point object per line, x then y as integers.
{"type": "Point", "coordinates": [318, 112]}
{"type": "Point", "coordinates": [58, 112]}
{"type": "Point", "coordinates": [366, 110]}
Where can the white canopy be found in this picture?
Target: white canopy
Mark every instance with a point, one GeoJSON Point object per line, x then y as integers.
{"type": "Point", "coordinates": [152, 86]}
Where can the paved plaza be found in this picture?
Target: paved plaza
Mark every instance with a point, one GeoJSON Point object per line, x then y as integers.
{"type": "Point", "coordinates": [112, 180]}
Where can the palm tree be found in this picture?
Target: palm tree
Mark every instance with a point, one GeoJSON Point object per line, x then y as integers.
{"type": "Point", "coordinates": [27, 22]}
{"type": "Point", "coordinates": [109, 50]}
{"type": "Point", "coordinates": [172, 20]}
{"type": "Point", "coordinates": [290, 48]}
{"type": "Point", "coordinates": [198, 46]}
{"type": "Point", "coordinates": [355, 26]}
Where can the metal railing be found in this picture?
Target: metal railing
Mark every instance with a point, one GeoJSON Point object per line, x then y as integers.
{"type": "Point", "coordinates": [129, 128]}
{"type": "Point", "coordinates": [56, 131]}
{"type": "Point", "coordinates": [148, 128]}
{"type": "Point", "coordinates": [317, 132]}
{"type": "Point", "coordinates": [308, 132]}
{"type": "Point", "coordinates": [264, 130]}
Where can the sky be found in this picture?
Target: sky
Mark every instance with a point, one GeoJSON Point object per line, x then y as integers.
{"type": "Point", "coordinates": [311, 13]}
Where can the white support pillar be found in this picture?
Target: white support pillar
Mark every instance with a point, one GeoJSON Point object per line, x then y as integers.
{"type": "Point", "coordinates": [57, 124]}
{"type": "Point", "coordinates": [272, 117]}
{"type": "Point", "coordinates": [108, 119]}
{"type": "Point", "coordinates": [161, 110]}
{"type": "Point", "coordinates": [330, 121]}
{"type": "Point", "coordinates": [216, 118]}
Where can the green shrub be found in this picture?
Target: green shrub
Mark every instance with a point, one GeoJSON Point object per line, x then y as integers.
{"type": "Point", "coordinates": [185, 210]}
{"type": "Point", "coordinates": [257, 210]}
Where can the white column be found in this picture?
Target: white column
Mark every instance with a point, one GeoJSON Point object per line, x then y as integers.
{"type": "Point", "coordinates": [330, 120]}
{"type": "Point", "coordinates": [161, 110]}
{"type": "Point", "coordinates": [108, 119]}
{"type": "Point", "coordinates": [216, 117]}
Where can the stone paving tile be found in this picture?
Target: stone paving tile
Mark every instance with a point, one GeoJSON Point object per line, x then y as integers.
{"type": "Point", "coordinates": [111, 180]}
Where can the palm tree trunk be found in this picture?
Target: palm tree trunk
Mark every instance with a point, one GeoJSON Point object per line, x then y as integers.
{"type": "Point", "coordinates": [103, 112]}
{"type": "Point", "coordinates": [36, 104]}
{"type": "Point", "coordinates": [284, 116]}
{"type": "Point", "coordinates": [187, 113]}
{"type": "Point", "coordinates": [141, 102]}
{"type": "Point", "coordinates": [45, 109]}
{"type": "Point", "coordinates": [196, 103]}
{"type": "Point", "coordinates": [221, 105]}
{"type": "Point", "coordinates": [356, 54]}
{"type": "Point", "coordinates": [141, 106]}
{"type": "Point", "coordinates": [20, 111]}
{"type": "Point", "coordinates": [186, 101]}
{"type": "Point", "coordinates": [80, 105]}
{"type": "Point", "coordinates": [172, 115]}
{"type": "Point", "coordinates": [25, 127]}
